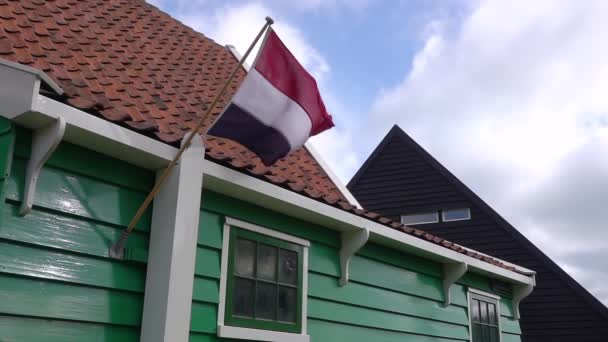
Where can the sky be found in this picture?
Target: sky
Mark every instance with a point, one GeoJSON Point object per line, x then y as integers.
{"type": "Point", "coordinates": [511, 96]}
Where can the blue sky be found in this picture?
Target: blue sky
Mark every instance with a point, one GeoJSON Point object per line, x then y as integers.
{"type": "Point", "coordinates": [508, 95]}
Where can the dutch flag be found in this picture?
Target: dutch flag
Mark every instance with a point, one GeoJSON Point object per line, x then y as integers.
{"type": "Point", "coordinates": [277, 107]}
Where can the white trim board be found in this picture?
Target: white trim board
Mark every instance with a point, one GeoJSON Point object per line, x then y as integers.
{"type": "Point", "coordinates": [266, 231]}
{"type": "Point", "coordinates": [332, 176]}
{"type": "Point", "coordinates": [484, 293]}
{"type": "Point", "coordinates": [257, 334]}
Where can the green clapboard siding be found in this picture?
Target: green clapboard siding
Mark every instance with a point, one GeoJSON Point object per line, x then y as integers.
{"type": "Point", "coordinates": [56, 281]}
{"type": "Point", "coordinates": [511, 338]}
{"type": "Point", "coordinates": [18, 329]}
{"type": "Point", "coordinates": [391, 296]}
{"type": "Point", "coordinates": [81, 196]}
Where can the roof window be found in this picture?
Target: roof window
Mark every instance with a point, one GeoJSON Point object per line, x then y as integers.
{"type": "Point", "coordinates": [420, 218]}
{"type": "Point", "coordinates": [456, 214]}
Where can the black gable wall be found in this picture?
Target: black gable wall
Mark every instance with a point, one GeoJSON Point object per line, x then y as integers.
{"type": "Point", "coordinates": [401, 177]}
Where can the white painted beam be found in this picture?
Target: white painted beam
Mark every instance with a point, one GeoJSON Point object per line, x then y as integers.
{"type": "Point", "coordinates": [352, 241]}
{"type": "Point", "coordinates": [520, 292]}
{"type": "Point", "coordinates": [172, 252]}
{"type": "Point", "coordinates": [451, 273]}
{"type": "Point", "coordinates": [44, 142]}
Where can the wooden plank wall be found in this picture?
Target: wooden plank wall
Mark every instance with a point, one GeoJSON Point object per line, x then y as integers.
{"type": "Point", "coordinates": [56, 281]}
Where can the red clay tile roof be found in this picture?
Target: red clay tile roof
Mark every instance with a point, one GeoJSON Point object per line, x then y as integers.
{"type": "Point", "coordinates": [130, 63]}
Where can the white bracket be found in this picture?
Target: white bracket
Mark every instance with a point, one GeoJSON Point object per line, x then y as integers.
{"type": "Point", "coordinates": [352, 241]}
{"type": "Point", "coordinates": [44, 142]}
{"type": "Point", "coordinates": [521, 291]}
{"type": "Point", "coordinates": [451, 273]}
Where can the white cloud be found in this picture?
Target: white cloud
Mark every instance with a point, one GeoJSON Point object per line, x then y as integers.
{"type": "Point", "coordinates": [515, 103]}
{"type": "Point", "coordinates": [238, 26]}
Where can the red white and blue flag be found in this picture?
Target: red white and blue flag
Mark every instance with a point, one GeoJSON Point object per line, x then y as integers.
{"type": "Point", "coordinates": [277, 107]}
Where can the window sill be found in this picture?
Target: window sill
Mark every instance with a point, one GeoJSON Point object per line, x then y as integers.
{"type": "Point", "coordinates": [259, 335]}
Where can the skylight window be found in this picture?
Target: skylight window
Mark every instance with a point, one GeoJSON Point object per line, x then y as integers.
{"type": "Point", "coordinates": [456, 214]}
{"type": "Point", "coordinates": [420, 218]}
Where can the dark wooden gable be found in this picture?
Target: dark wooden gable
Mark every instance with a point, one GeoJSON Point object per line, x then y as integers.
{"type": "Point", "coordinates": [400, 177]}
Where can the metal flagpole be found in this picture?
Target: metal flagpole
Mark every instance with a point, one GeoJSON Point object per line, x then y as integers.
{"type": "Point", "coordinates": [117, 249]}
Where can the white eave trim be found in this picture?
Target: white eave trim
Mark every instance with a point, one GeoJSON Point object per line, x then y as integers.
{"type": "Point", "coordinates": [105, 137]}
{"type": "Point", "coordinates": [332, 176]}
{"type": "Point", "coordinates": [36, 72]}
{"type": "Point", "coordinates": [99, 135]}
{"type": "Point", "coordinates": [247, 188]}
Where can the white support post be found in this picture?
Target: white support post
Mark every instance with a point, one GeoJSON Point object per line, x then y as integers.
{"type": "Point", "coordinates": [44, 142]}
{"type": "Point", "coordinates": [352, 241]}
{"type": "Point", "coordinates": [172, 251]}
{"type": "Point", "coordinates": [520, 292]}
{"type": "Point", "coordinates": [451, 273]}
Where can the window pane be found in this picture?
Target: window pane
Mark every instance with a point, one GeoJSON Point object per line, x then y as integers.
{"type": "Point", "coordinates": [485, 333]}
{"type": "Point", "coordinates": [494, 334]}
{"type": "Point", "coordinates": [288, 267]}
{"type": "Point", "coordinates": [267, 262]}
{"type": "Point", "coordinates": [476, 332]}
{"type": "Point", "coordinates": [475, 310]}
{"type": "Point", "coordinates": [242, 298]}
{"type": "Point", "coordinates": [265, 300]}
{"type": "Point", "coordinates": [245, 256]}
{"type": "Point", "coordinates": [420, 218]}
{"type": "Point", "coordinates": [492, 313]}
{"type": "Point", "coordinates": [483, 312]}
{"type": "Point", "coordinates": [456, 214]}
{"type": "Point", "coordinates": [288, 303]}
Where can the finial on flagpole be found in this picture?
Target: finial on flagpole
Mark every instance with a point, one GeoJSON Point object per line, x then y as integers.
{"type": "Point", "coordinates": [269, 20]}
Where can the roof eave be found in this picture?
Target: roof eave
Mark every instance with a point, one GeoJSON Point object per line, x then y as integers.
{"type": "Point", "coordinates": [105, 137]}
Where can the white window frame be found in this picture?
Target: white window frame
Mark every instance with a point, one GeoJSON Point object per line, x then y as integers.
{"type": "Point", "coordinates": [228, 331]}
{"type": "Point", "coordinates": [424, 222]}
{"type": "Point", "coordinates": [491, 297]}
{"type": "Point", "coordinates": [460, 219]}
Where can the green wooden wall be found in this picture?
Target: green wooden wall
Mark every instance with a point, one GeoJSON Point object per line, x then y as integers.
{"type": "Point", "coordinates": [392, 296]}
{"type": "Point", "coordinates": [56, 281]}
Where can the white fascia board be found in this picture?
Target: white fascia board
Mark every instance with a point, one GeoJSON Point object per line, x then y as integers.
{"type": "Point", "coordinates": [99, 135]}
{"type": "Point", "coordinates": [110, 139]}
{"type": "Point", "coordinates": [332, 176]}
{"type": "Point", "coordinates": [39, 74]}
{"type": "Point", "coordinates": [241, 186]}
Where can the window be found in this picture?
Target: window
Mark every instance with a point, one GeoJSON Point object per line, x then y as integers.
{"type": "Point", "coordinates": [263, 284]}
{"type": "Point", "coordinates": [420, 218]}
{"type": "Point", "coordinates": [484, 316]}
{"type": "Point", "coordinates": [456, 214]}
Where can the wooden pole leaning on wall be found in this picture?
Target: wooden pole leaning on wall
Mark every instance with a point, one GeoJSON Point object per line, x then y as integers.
{"type": "Point", "coordinates": [117, 249]}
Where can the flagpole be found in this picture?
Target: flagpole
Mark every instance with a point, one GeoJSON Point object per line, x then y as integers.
{"type": "Point", "coordinates": [117, 249]}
